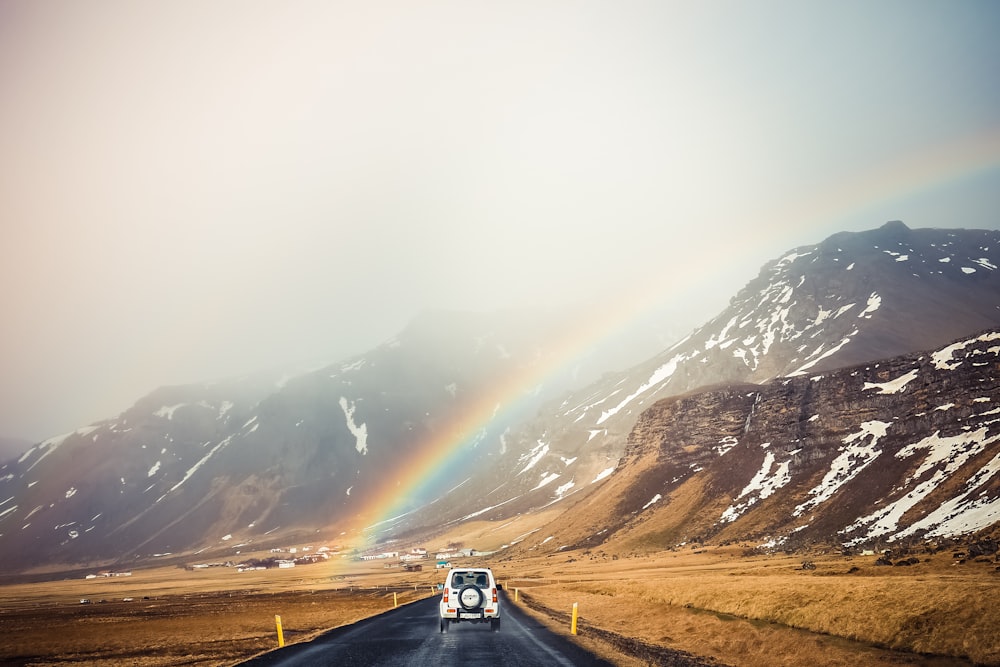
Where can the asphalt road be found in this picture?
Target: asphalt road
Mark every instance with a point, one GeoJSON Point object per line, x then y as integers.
{"type": "Point", "coordinates": [410, 637]}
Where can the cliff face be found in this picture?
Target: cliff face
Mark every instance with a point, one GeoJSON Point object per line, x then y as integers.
{"type": "Point", "coordinates": [854, 298]}
{"type": "Point", "coordinates": [900, 449]}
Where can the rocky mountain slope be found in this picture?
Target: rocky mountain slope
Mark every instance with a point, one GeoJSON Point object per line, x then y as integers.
{"type": "Point", "coordinates": [903, 449]}
{"type": "Point", "coordinates": [221, 465]}
{"type": "Point", "coordinates": [853, 298]}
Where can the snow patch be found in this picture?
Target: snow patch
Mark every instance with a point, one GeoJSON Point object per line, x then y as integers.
{"type": "Point", "coordinates": [893, 386]}
{"type": "Point", "coordinates": [534, 456]}
{"type": "Point", "coordinates": [360, 433]}
{"type": "Point", "coordinates": [874, 303]}
{"type": "Point", "coordinates": [769, 478]}
{"type": "Point", "coordinates": [860, 450]}
{"type": "Point", "coordinates": [819, 355]}
{"type": "Point", "coordinates": [193, 469]}
{"type": "Point", "coordinates": [660, 375]}
{"type": "Point", "coordinates": [167, 411]}
{"type": "Point", "coordinates": [944, 457]}
{"type": "Point", "coordinates": [564, 489]}
{"type": "Point", "coordinates": [604, 473]}
{"type": "Point", "coordinates": [943, 359]}
{"type": "Point", "coordinates": [725, 444]}
{"type": "Point", "coordinates": [546, 479]}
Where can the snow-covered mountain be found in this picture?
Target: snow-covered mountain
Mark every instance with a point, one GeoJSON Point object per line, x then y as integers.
{"type": "Point", "coordinates": [853, 298]}
{"type": "Point", "coordinates": [220, 465]}
{"type": "Point", "coordinates": [227, 463]}
{"type": "Point", "coordinates": [875, 455]}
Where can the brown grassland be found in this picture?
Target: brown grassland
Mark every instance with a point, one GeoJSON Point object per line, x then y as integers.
{"type": "Point", "coordinates": [717, 603]}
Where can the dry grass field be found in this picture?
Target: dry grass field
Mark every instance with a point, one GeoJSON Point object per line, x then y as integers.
{"type": "Point", "coordinates": [177, 617]}
{"type": "Point", "coordinates": [713, 602]}
{"type": "Point", "coordinates": [768, 611]}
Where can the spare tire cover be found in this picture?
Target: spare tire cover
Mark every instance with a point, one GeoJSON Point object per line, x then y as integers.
{"type": "Point", "coordinates": [470, 597]}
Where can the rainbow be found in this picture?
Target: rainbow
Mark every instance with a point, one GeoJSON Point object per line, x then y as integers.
{"type": "Point", "coordinates": [429, 466]}
{"type": "Point", "coordinates": [888, 183]}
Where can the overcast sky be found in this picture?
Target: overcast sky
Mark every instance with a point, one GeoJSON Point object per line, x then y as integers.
{"type": "Point", "coordinates": [193, 189]}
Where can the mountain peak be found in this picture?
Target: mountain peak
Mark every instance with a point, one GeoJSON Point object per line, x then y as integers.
{"type": "Point", "coordinates": [894, 226]}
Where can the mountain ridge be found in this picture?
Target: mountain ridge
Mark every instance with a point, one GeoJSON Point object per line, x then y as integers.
{"type": "Point", "coordinates": [853, 298]}
{"type": "Point", "coordinates": [901, 450]}
{"type": "Point", "coordinates": [222, 466]}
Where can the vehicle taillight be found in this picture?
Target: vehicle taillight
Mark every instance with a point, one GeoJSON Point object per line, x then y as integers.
{"type": "Point", "coordinates": [494, 595]}
{"type": "Point", "coordinates": [446, 596]}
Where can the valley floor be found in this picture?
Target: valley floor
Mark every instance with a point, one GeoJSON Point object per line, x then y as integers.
{"type": "Point", "coordinates": [768, 611]}
{"type": "Point", "coordinates": [718, 604]}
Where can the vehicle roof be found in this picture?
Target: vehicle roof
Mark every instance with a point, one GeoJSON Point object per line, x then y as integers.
{"type": "Point", "coordinates": [470, 569]}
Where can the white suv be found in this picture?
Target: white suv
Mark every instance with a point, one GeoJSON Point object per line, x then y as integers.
{"type": "Point", "coordinates": [470, 595]}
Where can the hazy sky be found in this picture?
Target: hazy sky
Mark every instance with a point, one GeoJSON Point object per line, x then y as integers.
{"type": "Point", "coordinates": [196, 189]}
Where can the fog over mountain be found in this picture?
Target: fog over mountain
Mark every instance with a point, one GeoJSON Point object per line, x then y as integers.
{"type": "Point", "coordinates": [196, 191]}
{"type": "Point", "coordinates": [853, 298]}
{"type": "Point", "coordinates": [837, 359]}
{"type": "Point", "coordinates": [10, 447]}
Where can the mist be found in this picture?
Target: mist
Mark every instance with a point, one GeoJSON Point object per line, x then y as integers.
{"type": "Point", "coordinates": [195, 190]}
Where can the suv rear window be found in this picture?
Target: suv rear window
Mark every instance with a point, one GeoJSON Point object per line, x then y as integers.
{"type": "Point", "coordinates": [469, 578]}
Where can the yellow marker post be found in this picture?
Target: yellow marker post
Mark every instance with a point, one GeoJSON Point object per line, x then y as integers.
{"type": "Point", "coordinates": [572, 629]}
{"type": "Point", "coordinates": [515, 595]}
{"type": "Point", "coordinates": [281, 635]}
{"type": "Point", "coordinates": [394, 602]}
